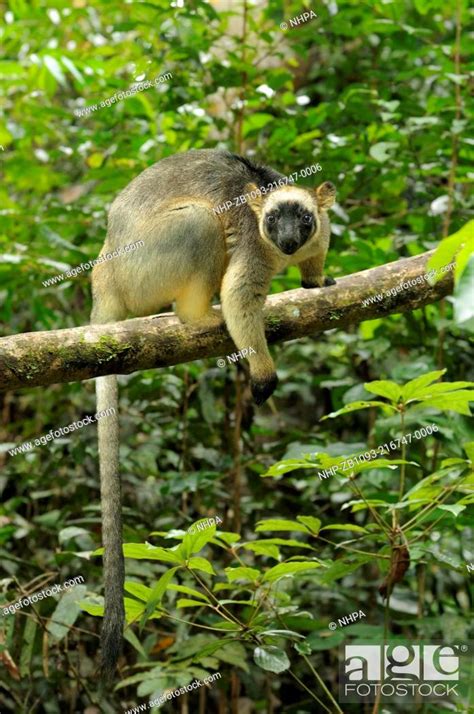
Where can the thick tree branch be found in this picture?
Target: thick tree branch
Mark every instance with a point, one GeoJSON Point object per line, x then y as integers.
{"type": "Point", "coordinates": [42, 358]}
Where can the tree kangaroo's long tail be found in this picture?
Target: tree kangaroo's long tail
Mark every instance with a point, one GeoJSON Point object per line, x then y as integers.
{"type": "Point", "coordinates": [111, 500]}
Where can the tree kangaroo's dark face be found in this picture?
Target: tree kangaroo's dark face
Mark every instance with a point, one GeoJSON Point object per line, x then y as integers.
{"type": "Point", "coordinates": [289, 224]}
{"type": "Point", "coordinates": [289, 217]}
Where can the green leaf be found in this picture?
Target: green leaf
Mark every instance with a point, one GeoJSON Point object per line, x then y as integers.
{"type": "Point", "coordinates": [233, 653]}
{"type": "Point", "coordinates": [463, 298]}
{"type": "Point", "coordinates": [195, 540]}
{"type": "Point", "coordinates": [142, 592]}
{"type": "Point", "coordinates": [384, 388]}
{"type": "Point", "coordinates": [455, 402]}
{"type": "Point", "coordinates": [290, 569]}
{"type": "Point", "coordinates": [92, 608]}
{"type": "Point", "coordinates": [469, 449]}
{"type": "Point", "coordinates": [134, 610]}
{"type": "Point", "coordinates": [131, 637]}
{"type": "Point", "coordinates": [454, 509]}
{"type": "Point", "coordinates": [66, 612]}
{"type": "Point", "coordinates": [186, 602]}
{"type": "Point", "coordinates": [435, 390]}
{"type": "Point", "coordinates": [242, 573]}
{"type": "Point", "coordinates": [302, 648]}
{"type": "Point", "coordinates": [379, 151]}
{"type": "Point", "coordinates": [157, 593]}
{"type": "Point", "coordinates": [345, 527]}
{"type": "Point", "coordinates": [200, 564]}
{"type": "Point", "coordinates": [271, 659]}
{"type": "Point", "coordinates": [319, 641]}
{"type": "Point", "coordinates": [275, 524]}
{"type": "Point", "coordinates": [288, 634]}
{"type": "Point", "coordinates": [411, 388]}
{"type": "Point", "coordinates": [188, 591]}
{"type": "Point", "coordinates": [290, 542]}
{"type": "Point", "coordinates": [227, 537]}
{"type": "Point", "coordinates": [256, 122]}
{"type": "Point", "coordinates": [449, 247]}
{"type": "Point", "coordinates": [146, 551]}
{"type": "Point", "coordinates": [343, 567]}
{"type": "Point", "coordinates": [262, 548]}
{"type": "Point", "coordinates": [313, 524]}
{"type": "Point", "coordinates": [55, 69]}
{"type": "Point", "coordinates": [463, 258]}
{"type": "Point", "coordinates": [73, 69]}
{"type": "Point", "coordinates": [365, 503]}
{"type": "Point", "coordinates": [95, 160]}
{"type": "Point", "coordinates": [27, 645]}
{"type": "Point", "coordinates": [283, 467]}
{"type": "Point", "coordinates": [356, 406]}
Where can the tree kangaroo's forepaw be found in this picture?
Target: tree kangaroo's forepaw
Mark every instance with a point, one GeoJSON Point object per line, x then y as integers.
{"type": "Point", "coordinates": [262, 389]}
{"type": "Point", "coordinates": [321, 283]}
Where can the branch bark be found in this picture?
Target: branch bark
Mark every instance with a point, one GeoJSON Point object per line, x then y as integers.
{"type": "Point", "coordinates": [42, 358]}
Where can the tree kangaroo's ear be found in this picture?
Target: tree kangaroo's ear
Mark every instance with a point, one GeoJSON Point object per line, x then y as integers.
{"type": "Point", "coordinates": [254, 201]}
{"type": "Point", "coordinates": [326, 195]}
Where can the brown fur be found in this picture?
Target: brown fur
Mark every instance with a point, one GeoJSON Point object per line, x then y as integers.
{"type": "Point", "coordinates": [191, 253]}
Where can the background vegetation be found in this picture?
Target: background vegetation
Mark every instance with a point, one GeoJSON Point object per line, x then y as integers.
{"type": "Point", "coordinates": [376, 93]}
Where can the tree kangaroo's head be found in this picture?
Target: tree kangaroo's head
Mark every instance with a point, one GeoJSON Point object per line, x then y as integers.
{"type": "Point", "coordinates": [289, 217]}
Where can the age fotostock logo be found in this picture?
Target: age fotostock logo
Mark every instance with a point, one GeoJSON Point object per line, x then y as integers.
{"type": "Point", "coordinates": [397, 671]}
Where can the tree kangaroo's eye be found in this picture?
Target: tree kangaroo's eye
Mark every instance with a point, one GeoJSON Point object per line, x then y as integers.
{"type": "Point", "coordinates": [307, 219]}
{"type": "Point", "coordinates": [271, 219]}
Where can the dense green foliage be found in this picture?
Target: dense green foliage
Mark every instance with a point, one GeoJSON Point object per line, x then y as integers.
{"type": "Point", "coordinates": [374, 92]}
